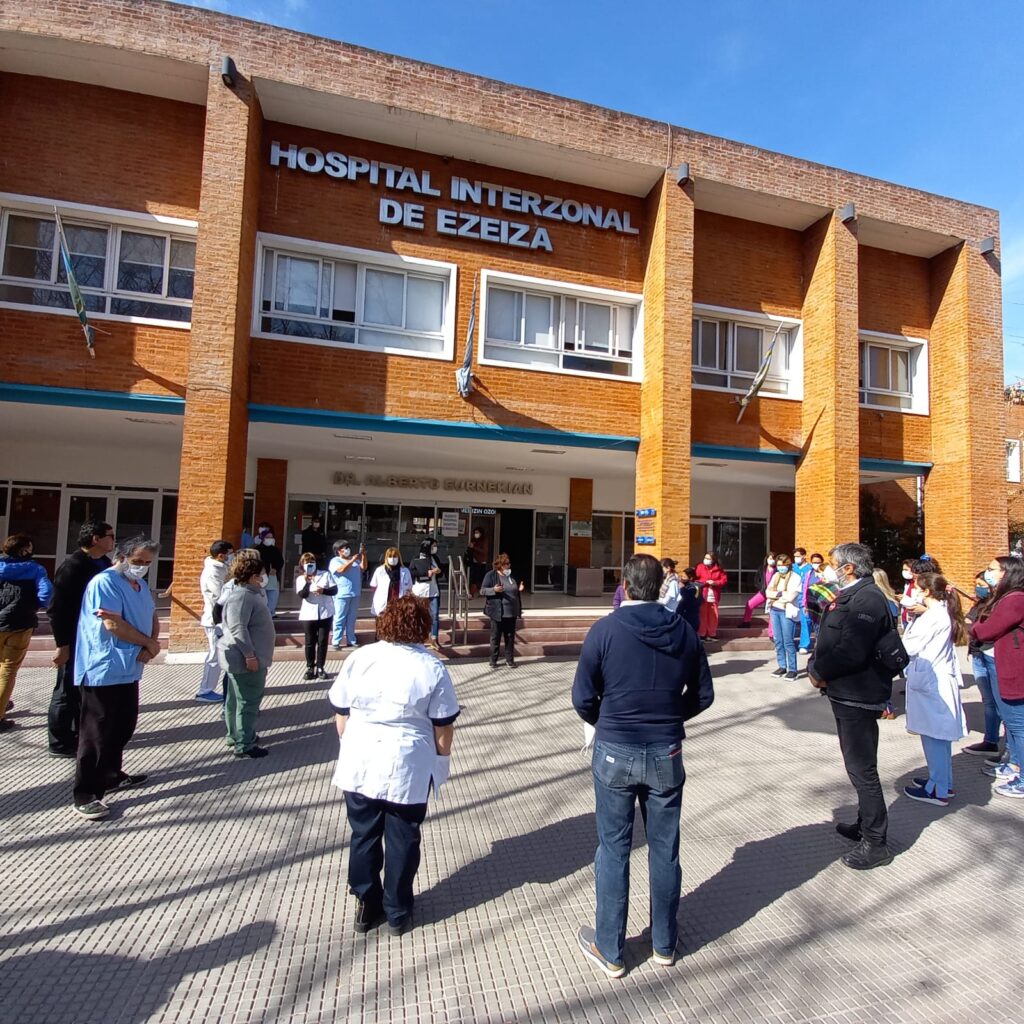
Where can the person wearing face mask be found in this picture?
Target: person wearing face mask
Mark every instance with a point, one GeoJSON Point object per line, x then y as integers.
{"type": "Point", "coordinates": [314, 541]}
{"type": "Point", "coordinates": [983, 664]}
{"type": "Point", "coordinates": [273, 566]}
{"type": "Point", "coordinates": [881, 578]}
{"type": "Point", "coordinates": [118, 634]}
{"type": "Point", "coordinates": [390, 581]}
{"type": "Point", "coordinates": [767, 572]}
{"type": "Point", "coordinates": [712, 579]}
{"type": "Point", "coordinates": [347, 568]}
{"type": "Point", "coordinates": [503, 607]}
{"type": "Point", "coordinates": [802, 568]}
{"type": "Point", "coordinates": [246, 652]}
{"type": "Point", "coordinates": [211, 582]}
{"type": "Point", "coordinates": [859, 686]}
{"type": "Point", "coordinates": [907, 575]}
{"type": "Point", "coordinates": [783, 600]}
{"type": "Point", "coordinates": [1000, 623]}
{"type": "Point", "coordinates": [316, 589]}
{"type": "Point", "coordinates": [477, 555]}
{"type": "Point", "coordinates": [426, 572]}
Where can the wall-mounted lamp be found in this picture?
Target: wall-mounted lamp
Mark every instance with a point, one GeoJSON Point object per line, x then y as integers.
{"type": "Point", "coordinates": [848, 213]}
{"type": "Point", "coordinates": [683, 175]}
{"type": "Point", "coordinates": [228, 72]}
{"type": "Point", "coordinates": [987, 245]}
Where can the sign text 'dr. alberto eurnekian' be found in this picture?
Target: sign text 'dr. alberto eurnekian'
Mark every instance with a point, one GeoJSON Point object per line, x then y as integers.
{"type": "Point", "coordinates": [433, 483]}
{"type": "Point", "coordinates": [455, 222]}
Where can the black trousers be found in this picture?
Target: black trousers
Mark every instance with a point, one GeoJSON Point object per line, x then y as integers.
{"type": "Point", "coordinates": [317, 635]}
{"type": "Point", "coordinates": [109, 717]}
{"type": "Point", "coordinates": [65, 710]}
{"type": "Point", "coordinates": [503, 628]}
{"type": "Point", "coordinates": [384, 835]}
{"type": "Point", "coordinates": [858, 740]}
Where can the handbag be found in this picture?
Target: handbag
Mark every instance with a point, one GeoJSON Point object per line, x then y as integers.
{"type": "Point", "coordinates": [792, 612]}
{"type": "Point", "coordinates": [421, 589]}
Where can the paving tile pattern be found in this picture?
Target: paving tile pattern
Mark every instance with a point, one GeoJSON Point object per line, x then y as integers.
{"type": "Point", "coordinates": [217, 893]}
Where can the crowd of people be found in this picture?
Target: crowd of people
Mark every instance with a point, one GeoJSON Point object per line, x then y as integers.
{"type": "Point", "coordinates": [642, 673]}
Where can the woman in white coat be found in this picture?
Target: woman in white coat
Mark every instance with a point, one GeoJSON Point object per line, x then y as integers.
{"type": "Point", "coordinates": [390, 581]}
{"type": "Point", "coordinates": [395, 708]}
{"type": "Point", "coordinates": [934, 710]}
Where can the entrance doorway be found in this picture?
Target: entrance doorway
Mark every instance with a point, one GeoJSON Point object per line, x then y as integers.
{"type": "Point", "coordinates": [515, 539]}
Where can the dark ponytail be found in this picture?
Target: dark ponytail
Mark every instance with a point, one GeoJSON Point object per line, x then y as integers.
{"type": "Point", "coordinates": [937, 587]}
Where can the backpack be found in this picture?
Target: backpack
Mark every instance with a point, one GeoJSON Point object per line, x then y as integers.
{"type": "Point", "coordinates": [890, 654]}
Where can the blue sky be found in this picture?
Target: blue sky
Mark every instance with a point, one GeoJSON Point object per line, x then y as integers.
{"type": "Point", "coordinates": [927, 93]}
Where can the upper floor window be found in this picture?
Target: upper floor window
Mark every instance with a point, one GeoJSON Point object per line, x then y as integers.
{"type": "Point", "coordinates": [122, 271]}
{"type": "Point", "coordinates": [892, 374]}
{"type": "Point", "coordinates": [1013, 461]}
{"type": "Point", "coordinates": [527, 323]}
{"type": "Point", "coordinates": [727, 354]}
{"type": "Point", "coordinates": [333, 297]}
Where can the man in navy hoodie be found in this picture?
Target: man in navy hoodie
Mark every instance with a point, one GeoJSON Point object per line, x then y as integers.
{"type": "Point", "coordinates": [641, 674]}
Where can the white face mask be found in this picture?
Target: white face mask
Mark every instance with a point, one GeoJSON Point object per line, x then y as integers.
{"type": "Point", "coordinates": [771, 562]}
{"type": "Point", "coordinates": [137, 572]}
{"type": "Point", "coordinates": [708, 561]}
{"type": "Point", "coordinates": [907, 574]}
{"type": "Point", "coordinates": [798, 559]}
{"type": "Point", "coordinates": [392, 561]}
{"type": "Point", "coordinates": [229, 561]}
{"type": "Point", "coordinates": [506, 572]}
{"type": "Point", "coordinates": [263, 579]}
{"type": "Point", "coordinates": [346, 552]}
{"type": "Point", "coordinates": [831, 576]}
{"type": "Point", "coordinates": [269, 541]}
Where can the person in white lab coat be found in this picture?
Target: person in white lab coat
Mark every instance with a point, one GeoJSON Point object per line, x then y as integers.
{"type": "Point", "coordinates": [934, 710]}
{"type": "Point", "coordinates": [390, 581]}
{"type": "Point", "coordinates": [395, 708]}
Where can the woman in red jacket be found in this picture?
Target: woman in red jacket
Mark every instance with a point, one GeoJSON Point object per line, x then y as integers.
{"type": "Point", "coordinates": [712, 578]}
{"type": "Point", "coordinates": [1001, 621]}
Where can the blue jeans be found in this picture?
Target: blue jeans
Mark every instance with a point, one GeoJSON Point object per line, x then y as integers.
{"type": "Point", "coordinates": [273, 596]}
{"type": "Point", "coordinates": [435, 616]}
{"type": "Point", "coordinates": [984, 666]}
{"type": "Point", "coordinates": [1013, 720]}
{"type": "Point", "coordinates": [806, 629]}
{"type": "Point", "coordinates": [652, 775]}
{"type": "Point", "coordinates": [783, 633]}
{"type": "Point", "coordinates": [939, 755]}
{"type": "Point", "coordinates": [345, 610]}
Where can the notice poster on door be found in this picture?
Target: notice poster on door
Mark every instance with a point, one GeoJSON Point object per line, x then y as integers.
{"type": "Point", "coordinates": [450, 524]}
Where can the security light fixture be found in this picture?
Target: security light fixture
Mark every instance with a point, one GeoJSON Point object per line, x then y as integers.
{"type": "Point", "coordinates": [848, 213]}
{"type": "Point", "coordinates": [987, 245]}
{"type": "Point", "coordinates": [682, 174]}
{"type": "Point", "coordinates": [228, 72]}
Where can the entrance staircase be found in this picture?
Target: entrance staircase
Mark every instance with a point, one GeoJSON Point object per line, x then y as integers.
{"type": "Point", "coordinates": [549, 632]}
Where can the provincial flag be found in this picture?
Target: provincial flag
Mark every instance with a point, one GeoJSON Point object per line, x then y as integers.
{"type": "Point", "coordinates": [760, 376]}
{"type": "Point", "coordinates": [464, 374]}
{"type": "Point", "coordinates": [76, 292]}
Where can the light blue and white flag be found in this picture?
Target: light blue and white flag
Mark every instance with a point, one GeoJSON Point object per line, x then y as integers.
{"type": "Point", "coordinates": [76, 292]}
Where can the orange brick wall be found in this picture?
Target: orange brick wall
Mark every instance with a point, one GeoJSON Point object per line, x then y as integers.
{"type": "Point", "coordinates": [271, 498]}
{"type": "Point", "coordinates": [86, 144]}
{"type": "Point", "coordinates": [895, 292]}
{"type": "Point", "coordinates": [782, 517]}
{"type": "Point", "coordinates": [581, 507]}
{"type": "Point", "coordinates": [314, 206]}
{"type": "Point", "coordinates": [898, 499]}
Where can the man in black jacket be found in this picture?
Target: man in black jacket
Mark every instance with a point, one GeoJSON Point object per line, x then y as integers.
{"type": "Point", "coordinates": [642, 673]}
{"type": "Point", "coordinates": [95, 542]}
{"type": "Point", "coordinates": [858, 688]}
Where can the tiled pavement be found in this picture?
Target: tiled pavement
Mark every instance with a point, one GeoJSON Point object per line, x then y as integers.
{"type": "Point", "coordinates": [217, 892]}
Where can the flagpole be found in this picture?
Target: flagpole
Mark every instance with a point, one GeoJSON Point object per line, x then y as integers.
{"type": "Point", "coordinates": [76, 292]}
{"type": "Point", "coordinates": [760, 376]}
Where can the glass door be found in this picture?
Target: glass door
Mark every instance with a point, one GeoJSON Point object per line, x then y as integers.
{"type": "Point", "coordinates": [81, 507]}
{"type": "Point", "coordinates": [549, 551]}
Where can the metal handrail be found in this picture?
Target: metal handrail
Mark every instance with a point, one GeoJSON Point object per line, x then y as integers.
{"type": "Point", "coordinates": [458, 597]}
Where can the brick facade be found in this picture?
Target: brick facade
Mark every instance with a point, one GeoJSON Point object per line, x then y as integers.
{"type": "Point", "coordinates": [210, 163]}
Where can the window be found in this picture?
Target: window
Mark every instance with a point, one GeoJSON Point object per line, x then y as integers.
{"type": "Point", "coordinates": [728, 354]}
{"type": "Point", "coordinates": [121, 271]}
{"type": "Point", "coordinates": [887, 374]}
{"type": "Point", "coordinates": [1013, 461]}
{"type": "Point", "coordinates": [543, 329]}
{"type": "Point", "coordinates": [344, 301]}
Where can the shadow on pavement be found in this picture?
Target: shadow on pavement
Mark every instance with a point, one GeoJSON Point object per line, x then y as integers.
{"type": "Point", "coordinates": [540, 857]}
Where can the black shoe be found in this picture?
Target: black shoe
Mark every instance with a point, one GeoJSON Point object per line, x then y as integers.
{"type": "Point", "coordinates": [368, 915]}
{"type": "Point", "coordinates": [779, 673]}
{"type": "Point", "coordinates": [67, 754]}
{"type": "Point", "coordinates": [511, 664]}
{"type": "Point", "coordinates": [126, 781]}
{"type": "Point", "coordinates": [400, 927]}
{"type": "Point", "coordinates": [6, 725]}
{"type": "Point", "coordinates": [253, 752]}
{"type": "Point", "coordinates": [310, 673]}
{"type": "Point", "coordinates": [494, 665]}
{"type": "Point", "coordinates": [849, 830]}
{"type": "Point", "coordinates": [320, 673]}
{"type": "Point", "coordinates": [866, 855]}
{"type": "Point", "coordinates": [791, 675]}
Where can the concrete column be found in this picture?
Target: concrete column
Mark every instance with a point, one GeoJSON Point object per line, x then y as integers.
{"type": "Point", "coordinates": [965, 521]}
{"type": "Point", "coordinates": [214, 441]}
{"type": "Point", "coordinates": [828, 473]}
{"type": "Point", "coordinates": [663, 461]}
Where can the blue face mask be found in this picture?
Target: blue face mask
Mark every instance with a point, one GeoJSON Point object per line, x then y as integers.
{"type": "Point", "coordinates": [783, 569]}
{"type": "Point", "coordinates": [981, 590]}
{"type": "Point", "coordinates": [990, 577]}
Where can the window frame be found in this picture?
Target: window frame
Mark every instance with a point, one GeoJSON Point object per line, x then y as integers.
{"type": "Point", "coordinates": [558, 292]}
{"type": "Point", "coordinates": [363, 259]}
{"type": "Point", "coordinates": [917, 372]}
{"type": "Point", "coordinates": [731, 318]}
{"type": "Point", "coordinates": [113, 222]}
